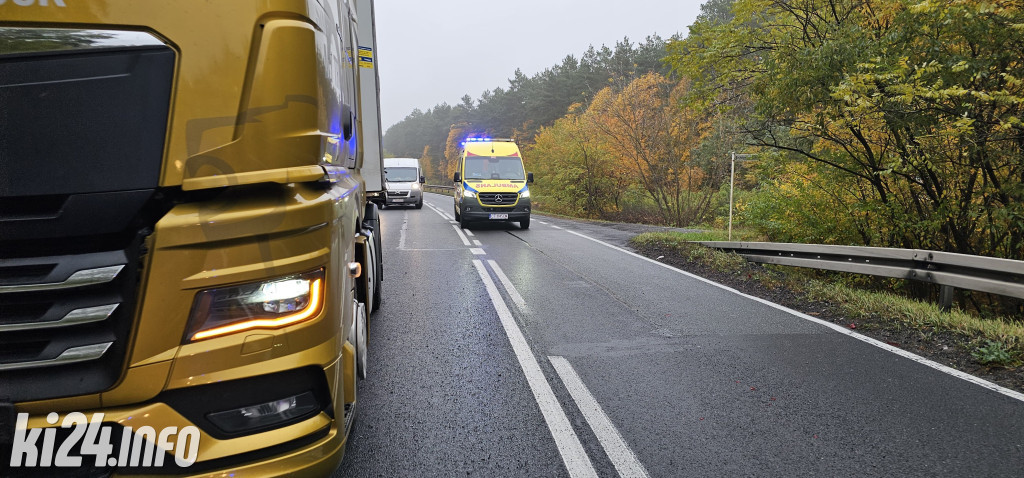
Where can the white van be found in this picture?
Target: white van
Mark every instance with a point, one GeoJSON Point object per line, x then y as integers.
{"type": "Point", "coordinates": [403, 181]}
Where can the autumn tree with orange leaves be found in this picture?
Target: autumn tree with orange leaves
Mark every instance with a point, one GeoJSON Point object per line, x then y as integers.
{"type": "Point", "coordinates": [652, 136]}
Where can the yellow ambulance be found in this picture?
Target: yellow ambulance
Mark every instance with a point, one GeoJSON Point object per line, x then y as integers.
{"type": "Point", "coordinates": [491, 183]}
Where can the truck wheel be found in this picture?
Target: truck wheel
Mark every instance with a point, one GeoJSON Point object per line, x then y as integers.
{"type": "Point", "coordinates": [525, 223]}
{"type": "Point", "coordinates": [419, 205]}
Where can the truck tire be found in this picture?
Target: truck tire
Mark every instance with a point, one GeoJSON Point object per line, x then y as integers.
{"type": "Point", "coordinates": [371, 221]}
{"type": "Point", "coordinates": [419, 205]}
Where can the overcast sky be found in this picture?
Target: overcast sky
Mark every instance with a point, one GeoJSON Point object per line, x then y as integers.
{"type": "Point", "coordinates": [431, 52]}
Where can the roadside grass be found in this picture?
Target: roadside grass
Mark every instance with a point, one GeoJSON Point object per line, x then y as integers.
{"type": "Point", "coordinates": [992, 342]}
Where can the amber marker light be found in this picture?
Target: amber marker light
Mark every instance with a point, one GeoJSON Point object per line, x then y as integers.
{"type": "Point", "coordinates": [271, 304]}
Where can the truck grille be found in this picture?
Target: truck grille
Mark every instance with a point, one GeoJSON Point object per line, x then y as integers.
{"type": "Point", "coordinates": [498, 199]}
{"type": "Point", "coordinates": [64, 322]}
{"type": "Point", "coordinates": [83, 115]}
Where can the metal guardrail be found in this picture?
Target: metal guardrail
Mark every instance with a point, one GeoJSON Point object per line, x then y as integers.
{"type": "Point", "coordinates": [949, 270]}
{"type": "Point", "coordinates": [449, 190]}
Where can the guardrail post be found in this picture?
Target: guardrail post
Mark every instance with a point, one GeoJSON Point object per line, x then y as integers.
{"type": "Point", "coordinates": [946, 297]}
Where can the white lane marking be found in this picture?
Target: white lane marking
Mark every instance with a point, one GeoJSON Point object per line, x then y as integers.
{"type": "Point", "coordinates": [554, 226]}
{"type": "Point", "coordinates": [469, 233]}
{"type": "Point", "coordinates": [542, 222]}
{"type": "Point", "coordinates": [625, 461]}
{"type": "Point", "coordinates": [401, 233]}
{"type": "Point", "coordinates": [838, 328]}
{"type": "Point", "coordinates": [459, 249]}
{"type": "Point", "coordinates": [435, 209]}
{"type": "Point", "coordinates": [475, 242]}
{"type": "Point", "coordinates": [462, 236]}
{"type": "Point", "coordinates": [573, 455]}
{"type": "Point", "coordinates": [477, 251]}
{"type": "Point", "coordinates": [441, 212]}
{"type": "Point", "coordinates": [511, 289]}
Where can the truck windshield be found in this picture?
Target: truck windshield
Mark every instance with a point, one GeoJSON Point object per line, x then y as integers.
{"type": "Point", "coordinates": [400, 175]}
{"type": "Point", "coordinates": [494, 167]}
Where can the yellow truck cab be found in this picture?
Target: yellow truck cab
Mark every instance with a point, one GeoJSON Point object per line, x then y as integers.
{"type": "Point", "coordinates": [189, 247]}
{"type": "Point", "coordinates": [491, 183]}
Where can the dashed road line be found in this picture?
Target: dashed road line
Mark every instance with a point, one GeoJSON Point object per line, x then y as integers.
{"type": "Point", "coordinates": [401, 233]}
{"type": "Point", "coordinates": [618, 451]}
{"type": "Point", "coordinates": [511, 289]}
{"type": "Point", "coordinates": [568, 443]}
{"type": "Point", "coordinates": [465, 240]}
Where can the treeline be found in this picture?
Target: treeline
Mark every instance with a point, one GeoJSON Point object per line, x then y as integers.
{"type": "Point", "coordinates": [521, 109]}
{"type": "Point", "coordinates": [876, 122]}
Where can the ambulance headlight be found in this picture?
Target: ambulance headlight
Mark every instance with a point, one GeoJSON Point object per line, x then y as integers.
{"type": "Point", "coordinates": [525, 194]}
{"type": "Point", "coordinates": [269, 304]}
{"type": "Point", "coordinates": [468, 194]}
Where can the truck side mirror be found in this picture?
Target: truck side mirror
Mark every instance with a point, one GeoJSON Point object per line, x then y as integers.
{"type": "Point", "coordinates": [423, 180]}
{"type": "Point", "coordinates": [529, 177]}
{"type": "Point", "coordinates": [458, 177]}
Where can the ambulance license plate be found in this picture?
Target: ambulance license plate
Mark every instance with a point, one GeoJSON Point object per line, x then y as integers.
{"type": "Point", "coordinates": [499, 216]}
{"type": "Point", "coordinates": [398, 200]}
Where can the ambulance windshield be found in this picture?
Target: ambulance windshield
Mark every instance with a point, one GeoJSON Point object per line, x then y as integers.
{"type": "Point", "coordinates": [494, 167]}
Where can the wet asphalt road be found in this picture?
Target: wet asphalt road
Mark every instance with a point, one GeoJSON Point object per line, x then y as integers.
{"type": "Point", "coordinates": [593, 362]}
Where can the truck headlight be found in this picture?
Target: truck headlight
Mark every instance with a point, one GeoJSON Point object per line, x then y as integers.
{"type": "Point", "coordinates": [269, 304]}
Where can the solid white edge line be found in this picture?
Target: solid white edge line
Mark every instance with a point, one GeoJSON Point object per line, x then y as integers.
{"type": "Point", "coordinates": [469, 233]}
{"type": "Point", "coordinates": [542, 222]}
{"type": "Point", "coordinates": [511, 289]}
{"type": "Point", "coordinates": [838, 328]}
{"type": "Point", "coordinates": [618, 451]}
{"type": "Point", "coordinates": [462, 236]}
{"type": "Point", "coordinates": [556, 227]}
{"type": "Point", "coordinates": [569, 446]}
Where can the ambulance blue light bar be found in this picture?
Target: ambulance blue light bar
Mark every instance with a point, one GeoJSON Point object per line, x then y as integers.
{"type": "Point", "coordinates": [484, 140]}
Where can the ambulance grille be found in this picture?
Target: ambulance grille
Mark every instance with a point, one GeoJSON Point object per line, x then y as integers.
{"type": "Point", "coordinates": [498, 199]}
